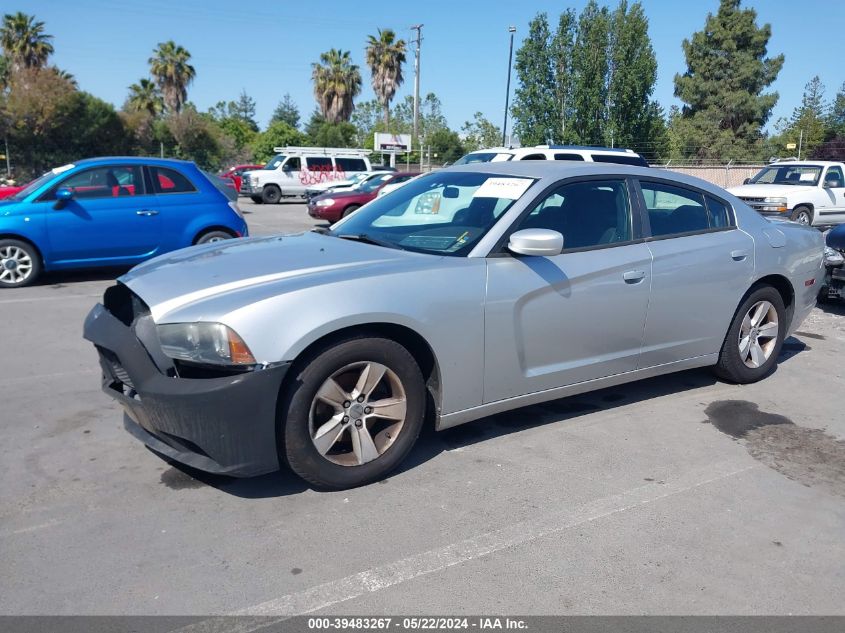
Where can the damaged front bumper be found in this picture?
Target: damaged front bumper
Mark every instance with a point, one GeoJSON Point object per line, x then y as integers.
{"type": "Point", "coordinates": [224, 423]}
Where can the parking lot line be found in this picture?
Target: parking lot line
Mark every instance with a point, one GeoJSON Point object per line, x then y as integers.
{"type": "Point", "coordinates": [432, 561]}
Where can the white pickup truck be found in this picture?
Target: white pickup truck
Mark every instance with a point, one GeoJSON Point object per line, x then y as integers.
{"type": "Point", "coordinates": [808, 192]}
{"type": "Point", "coordinates": [294, 169]}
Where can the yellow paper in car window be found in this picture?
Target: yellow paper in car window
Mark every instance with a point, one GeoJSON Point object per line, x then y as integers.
{"type": "Point", "coordinates": [508, 188]}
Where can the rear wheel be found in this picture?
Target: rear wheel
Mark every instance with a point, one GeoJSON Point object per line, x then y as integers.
{"type": "Point", "coordinates": [271, 194]}
{"type": "Point", "coordinates": [802, 214]}
{"type": "Point", "coordinates": [20, 264]}
{"type": "Point", "coordinates": [354, 413]}
{"type": "Point", "coordinates": [213, 236]}
{"type": "Point", "coordinates": [753, 342]}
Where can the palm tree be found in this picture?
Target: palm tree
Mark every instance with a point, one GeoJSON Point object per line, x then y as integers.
{"type": "Point", "coordinates": [337, 81]}
{"type": "Point", "coordinates": [173, 74]}
{"type": "Point", "coordinates": [24, 42]}
{"type": "Point", "coordinates": [385, 56]}
{"type": "Point", "coordinates": [67, 76]}
{"type": "Point", "coordinates": [144, 97]}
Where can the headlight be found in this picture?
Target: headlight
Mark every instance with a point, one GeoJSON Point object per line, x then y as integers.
{"type": "Point", "coordinates": [204, 343]}
{"type": "Point", "coordinates": [774, 204]}
{"type": "Point", "coordinates": [775, 200]}
{"type": "Point", "coordinates": [833, 257]}
{"type": "Point", "coordinates": [326, 202]}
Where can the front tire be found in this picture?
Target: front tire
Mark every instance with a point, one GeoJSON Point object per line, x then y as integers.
{"type": "Point", "coordinates": [803, 215]}
{"type": "Point", "coordinates": [271, 194]}
{"type": "Point", "coordinates": [353, 413]}
{"type": "Point", "coordinates": [350, 209]}
{"type": "Point", "coordinates": [256, 199]}
{"type": "Point", "coordinates": [20, 264]}
{"type": "Point", "coordinates": [754, 340]}
{"type": "Point", "coordinates": [213, 236]}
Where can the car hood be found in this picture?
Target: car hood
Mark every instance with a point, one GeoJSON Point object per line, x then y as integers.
{"type": "Point", "coordinates": [184, 277]}
{"type": "Point", "coordinates": [767, 191]}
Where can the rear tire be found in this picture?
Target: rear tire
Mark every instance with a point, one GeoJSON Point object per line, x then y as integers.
{"type": "Point", "coordinates": [338, 439]}
{"type": "Point", "coordinates": [20, 264]}
{"type": "Point", "coordinates": [753, 342]}
{"type": "Point", "coordinates": [271, 194]}
{"type": "Point", "coordinates": [803, 215]}
{"type": "Point", "coordinates": [213, 236]}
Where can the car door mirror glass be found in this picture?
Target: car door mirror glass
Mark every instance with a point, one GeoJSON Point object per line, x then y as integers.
{"type": "Point", "coordinates": [536, 242]}
{"type": "Point", "coordinates": [64, 194]}
{"type": "Point", "coordinates": [451, 192]}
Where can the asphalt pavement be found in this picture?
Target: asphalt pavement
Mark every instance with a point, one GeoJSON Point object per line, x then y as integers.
{"type": "Point", "coordinates": [675, 495]}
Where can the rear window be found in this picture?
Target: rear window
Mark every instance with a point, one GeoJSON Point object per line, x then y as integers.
{"type": "Point", "coordinates": [323, 163]}
{"type": "Point", "coordinates": [569, 157]}
{"type": "Point", "coordinates": [350, 164]}
{"type": "Point", "coordinates": [621, 159]}
{"type": "Point", "coordinates": [170, 181]}
{"type": "Point", "coordinates": [534, 157]}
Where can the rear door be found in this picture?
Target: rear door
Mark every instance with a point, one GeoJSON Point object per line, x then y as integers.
{"type": "Point", "coordinates": [106, 221]}
{"type": "Point", "coordinates": [573, 317]}
{"type": "Point", "coordinates": [702, 266]}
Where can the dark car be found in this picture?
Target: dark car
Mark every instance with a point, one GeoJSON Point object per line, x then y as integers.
{"type": "Point", "coordinates": [333, 206]}
{"type": "Point", "coordinates": [833, 286]}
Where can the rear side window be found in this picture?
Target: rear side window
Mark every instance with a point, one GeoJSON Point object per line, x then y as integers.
{"type": "Point", "coordinates": [534, 157]}
{"type": "Point", "coordinates": [569, 157]}
{"type": "Point", "coordinates": [351, 164]}
{"type": "Point", "coordinates": [720, 216]}
{"type": "Point", "coordinates": [675, 210]}
{"type": "Point", "coordinates": [620, 159]}
{"type": "Point", "coordinates": [170, 181]}
{"type": "Point", "coordinates": [322, 163]}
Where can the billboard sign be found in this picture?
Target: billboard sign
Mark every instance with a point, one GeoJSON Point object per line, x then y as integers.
{"type": "Point", "coordinates": [393, 143]}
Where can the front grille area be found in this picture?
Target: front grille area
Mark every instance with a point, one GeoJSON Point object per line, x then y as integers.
{"type": "Point", "coordinates": [124, 304]}
{"type": "Point", "coordinates": [751, 200]}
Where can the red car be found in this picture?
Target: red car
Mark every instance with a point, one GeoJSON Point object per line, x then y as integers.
{"type": "Point", "coordinates": [333, 206]}
{"type": "Point", "coordinates": [235, 174]}
{"type": "Point", "coordinates": [10, 190]}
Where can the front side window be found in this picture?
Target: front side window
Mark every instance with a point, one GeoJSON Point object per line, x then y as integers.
{"type": "Point", "coordinates": [587, 214]}
{"type": "Point", "coordinates": [807, 175]}
{"type": "Point", "coordinates": [443, 213]}
{"type": "Point", "coordinates": [675, 210]}
{"type": "Point", "coordinates": [833, 177]}
{"type": "Point", "coordinates": [371, 184]}
{"type": "Point", "coordinates": [108, 181]}
{"type": "Point", "coordinates": [170, 181]}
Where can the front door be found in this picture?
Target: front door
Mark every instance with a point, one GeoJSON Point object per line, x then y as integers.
{"type": "Point", "coordinates": [577, 316]}
{"type": "Point", "coordinates": [110, 219]}
{"type": "Point", "coordinates": [834, 190]}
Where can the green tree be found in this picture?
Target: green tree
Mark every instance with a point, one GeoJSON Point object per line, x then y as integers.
{"type": "Point", "coordinates": [534, 106]}
{"type": "Point", "coordinates": [197, 138]}
{"type": "Point", "coordinates": [144, 97]}
{"type": "Point", "coordinates": [722, 89]}
{"type": "Point", "coordinates": [337, 81]}
{"type": "Point", "coordinates": [808, 124]}
{"type": "Point", "coordinates": [590, 64]}
{"type": "Point", "coordinates": [286, 111]}
{"type": "Point", "coordinates": [314, 122]}
{"type": "Point", "coordinates": [341, 134]}
{"type": "Point", "coordinates": [24, 42]}
{"type": "Point", "coordinates": [367, 120]}
{"type": "Point", "coordinates": [480, 133]}
{"type": "Point", "coordinates": [173, 73]}
{"type": "Point", "coordinates": [836, 116]}
{"type": "Point", "coordinates": [447, 146]}
{"type": "Point", "coordinates": [277, 134]}
{"type": "Point", "coordinates": [385, 56]}
{"type": "Point", "coordinates": [564, 76]}
{"type": "Point", "coordinates": [431, 116]}
{"type": "Point", "coordinates": [632, 73]}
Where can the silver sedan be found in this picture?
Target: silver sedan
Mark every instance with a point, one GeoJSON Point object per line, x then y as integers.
{"type": "Point", "coordinates": [467, 292]}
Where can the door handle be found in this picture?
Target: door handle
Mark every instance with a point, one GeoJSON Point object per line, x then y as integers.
{"type": "Point", "coordinates": [633, 276]}
{"type": "Point", "coordinates": [739, 256]}
{"type": "Point", "coordinates": [146, 212]}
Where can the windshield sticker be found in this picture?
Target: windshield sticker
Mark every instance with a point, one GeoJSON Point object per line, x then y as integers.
{"type": "Point", "coordinates": [507, 188]}
{"type": "Point", "coordinates": [808, 176]}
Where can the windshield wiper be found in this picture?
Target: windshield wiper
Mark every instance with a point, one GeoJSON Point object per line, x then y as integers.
{"type": "Point", "coordinates": [369, 239]}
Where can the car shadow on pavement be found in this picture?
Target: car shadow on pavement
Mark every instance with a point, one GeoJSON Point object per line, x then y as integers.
{"type": "Point", "coordinates": [61, 278]}
{"type": "Point", "coordinates": [431, 443]}
{"type": "Point", "coordinates": [832, 307]}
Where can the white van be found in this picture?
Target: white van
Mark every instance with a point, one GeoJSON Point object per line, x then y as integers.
{"type": "Point", "coordinates": [616, 155]}
{"type": "Point", "coordinates": [294, 169]}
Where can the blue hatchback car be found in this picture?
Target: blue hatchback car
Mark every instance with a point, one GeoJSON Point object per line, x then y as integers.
{"type": "Point", "coordinates": [111, 212]}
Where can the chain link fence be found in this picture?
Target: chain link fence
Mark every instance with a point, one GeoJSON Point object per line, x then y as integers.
{"type": "Point", "coordinates": [724, 175]}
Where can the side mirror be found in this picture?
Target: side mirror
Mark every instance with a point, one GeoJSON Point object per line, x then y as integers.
{"type": "Point", "coordinates": [832, 184]}
{"type": "Point", "coordinates": [536, 242]}
{"type": "Point", "coordinates": [63, 196]}
{"type": "Point", "coordinates": [746, 181]}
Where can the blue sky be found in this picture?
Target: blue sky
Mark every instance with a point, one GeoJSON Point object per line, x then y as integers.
{"type": "Point", "coordinates": [267, 48]}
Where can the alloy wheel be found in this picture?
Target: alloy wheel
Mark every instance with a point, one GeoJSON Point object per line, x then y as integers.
{"type": "Point", "coordinates": [357, 413]}
{"type": "Point", "coordinates": [15, 264]}
{"type": "Point", "coordinates": [758, 334]}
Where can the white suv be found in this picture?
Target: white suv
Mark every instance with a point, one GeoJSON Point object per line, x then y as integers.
{"type": "Point", "coordinates": [294, 169]}
{"type": "Point", "coordinates": [556, 152]}
{"type": "Point", "coordinates": [809, 192]}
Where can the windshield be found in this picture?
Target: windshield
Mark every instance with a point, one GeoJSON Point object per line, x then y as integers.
{"type": "Point", "coordinates": [443, 213]}
{"type": "Point", "coordinates": [482, 157]}
{"type": "Point", "coordinates": [788, 175]}
{"type": "Point", "coordinates": [274, 162]}
{"type": "Point", "coordinates": [35, 184]}
{"type": "Point", "coordinates": [373, 183]}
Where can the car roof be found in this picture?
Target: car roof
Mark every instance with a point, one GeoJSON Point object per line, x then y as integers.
{"type": "Point", "coordinates": [819, 163]}
{"type": "Point", "coordinates": [569, 148]}
{"type": "Point", "coordinates": [133, 160]}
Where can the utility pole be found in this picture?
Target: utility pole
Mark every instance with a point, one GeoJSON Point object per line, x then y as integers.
{"type": "Point", "coordinates": [8, 163]}
{"type": "Point", "coordinates": [511, 30]}
{"type": "Point", "coordinates": [418, 42]}
{"type": "Point", "coordinates": [800, 143]}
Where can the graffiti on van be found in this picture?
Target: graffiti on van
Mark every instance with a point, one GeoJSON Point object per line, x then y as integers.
{"type": "Point", "coordinates": [320, 173]}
